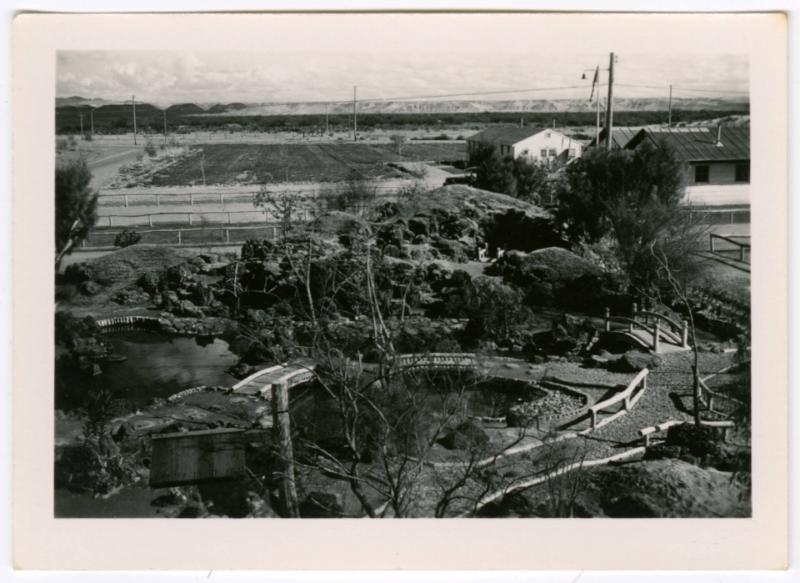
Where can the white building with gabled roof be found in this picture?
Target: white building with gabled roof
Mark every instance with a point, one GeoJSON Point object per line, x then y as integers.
{"type": "Point", "coordinates": [539, 144]}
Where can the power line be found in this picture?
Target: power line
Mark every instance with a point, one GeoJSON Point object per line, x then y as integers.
{"type": "Point", "coordinates": [448, 95]}
{"type": "Point", "coordinates": [680, 88]}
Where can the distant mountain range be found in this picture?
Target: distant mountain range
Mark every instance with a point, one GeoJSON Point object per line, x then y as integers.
{"type": "Point", "coordinates": [430, 106]}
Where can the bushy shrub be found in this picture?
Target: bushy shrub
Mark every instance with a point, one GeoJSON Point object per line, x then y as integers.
{"type": "Point", "coordinates": [127, 238]}
{"type": "Point", "coordinates": [150, 149]}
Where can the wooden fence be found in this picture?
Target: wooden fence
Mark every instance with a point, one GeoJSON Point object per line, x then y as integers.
{"type": "Point", "coordinates": [628, 397]}
{"type": "Point", "coordinates": [742, 246]}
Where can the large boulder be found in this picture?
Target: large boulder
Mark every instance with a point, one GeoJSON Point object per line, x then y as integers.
{"type": "Point", "coordinates": [634, 361]}
{"type": "Point", "coordinates": [553, 276]}
{"type": "Point", "coordinates": [466, 435]}
{"type": "Point", "coordinates": [187, 309]}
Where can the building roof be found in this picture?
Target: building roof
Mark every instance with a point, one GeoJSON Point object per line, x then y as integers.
{"type": "Point", "coordinates": [699, 144]}
{"type": "Point", "coordinates": [620, 136]}
{"type": "Point", "coordinates": [507, 135]}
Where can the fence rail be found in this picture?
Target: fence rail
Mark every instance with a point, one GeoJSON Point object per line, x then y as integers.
{"type": "Point", "coordinates": [629, 397]}
{"type": "Point", "coordinates": [166, 197]}
{"type": "Point", "coordinates": [102, 239]}
{"type": "Point", "coordinates": [742, 246]}
{"type": "Point", "coordinates": [721, 216]}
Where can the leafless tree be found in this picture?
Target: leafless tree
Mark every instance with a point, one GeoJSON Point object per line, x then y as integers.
{"type": "Point", "coordinates": [278, 206]}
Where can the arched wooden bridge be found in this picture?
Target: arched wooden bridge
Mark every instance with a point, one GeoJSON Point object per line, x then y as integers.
{"type": "Point", "coordinates": [649, 330]}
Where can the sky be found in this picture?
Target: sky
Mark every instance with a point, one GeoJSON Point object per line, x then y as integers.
{"type": "Point", "coordinates": [309, 59]}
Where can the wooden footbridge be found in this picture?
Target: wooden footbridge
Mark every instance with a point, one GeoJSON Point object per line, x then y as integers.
{"type": "Point", "coordinates": [649, 330]}
{"type": "Point", "coordinates": [260, 382]}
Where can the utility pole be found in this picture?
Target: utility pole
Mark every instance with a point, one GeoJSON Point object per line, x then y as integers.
{"type": "Point", "coordinates": [355, 116]}
{"type": "Point", "coordinates": [669, 108]}
{"type": "Point", "coordinates": [597, 119]}
{"type": "Point", "coordinates": [610, 104]}
{"type": "Point", "coordinates": [91, 117]}
{"type": "Point", "coordinates": [80, 115]}
{"type": "Point", "coordinates": [133, 103]}
{"type": "Point", "coordinates": [283, 437]}
{"type": "Point", "coordinates": [165, 126]}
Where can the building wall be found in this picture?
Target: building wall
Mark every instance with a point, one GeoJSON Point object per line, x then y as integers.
{"type": "Point", "coordinates": [532, 147]}
{"type": "Point", "coordinates": [721, 188]}
{"type": "Point", "coordinates": [718, 173]}
{"type": "Point", "coordinates": [717, 194]}
{"type": "Point", "coordinates": [548, 140]}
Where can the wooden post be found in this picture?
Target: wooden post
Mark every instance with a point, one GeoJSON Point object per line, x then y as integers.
{"type": "Point", "coordinates": [126, 200]}
{"type": "Point", "coordinates": [610, 103]}
{"type": "Point", "coordinates": [657, 336]}
{"type": "Point", "coordinates": [608, 320]}
{"type": "Point", "coordinates": [179, 237]}
{"type": "Point", "coordinates": [283, 437]}
{"type": "Point", "coordinates": [149, 220]}
{"type": "Point", "coordinates": [190, 218]}
{"type": "Point", "coordinates": [685, 334]}
{"type": "Point", "coordinates": [635, 309]}
{"type": "Point", "coordinates": [227, 235]}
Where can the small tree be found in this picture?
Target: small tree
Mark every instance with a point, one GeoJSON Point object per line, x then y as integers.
{"type": "Point", "coordinates": [76, 206]}
{"type": "Point", "coordinates": [518, 177]}
{"type": "Point", "coordinates": [492, 171]}
{"type": "Point", "coordinates": [356, 194]}
{"type": "Point", "coordinates": [399, 141]}
{"type": "Point", "coordinates": [279, 206]}
{"type": "Point", "coordinates": [633, 197]}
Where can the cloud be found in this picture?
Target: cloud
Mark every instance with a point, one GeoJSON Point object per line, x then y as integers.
{"type": "Point", "coordinates": [304, 75]}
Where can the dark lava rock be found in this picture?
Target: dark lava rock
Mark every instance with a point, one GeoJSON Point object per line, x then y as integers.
{"type": "Point", "coordinates": [90, 288]}
{"type": "Point", "coordinates": [188, 309]}
{"type": "Point", "coordinates": [634, 361]}
{"type": "Point", "coordinates": [466, 435]}
{"type": "Point", "coordinates": [321, 505]}
{"type": "Point", "coordinates": [630, 506]}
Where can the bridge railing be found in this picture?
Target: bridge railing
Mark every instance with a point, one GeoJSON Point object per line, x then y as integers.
{"type": "Point", "coordinates": [457, 360]}
{"type": "Point", "coordinates": [128, 323]}
{"type": "Point", "coordinates": [629, 397]}
{"type": "Point", "coordinates": [661, 327]}
{"type": "Point", "coordinates": [719, 403]}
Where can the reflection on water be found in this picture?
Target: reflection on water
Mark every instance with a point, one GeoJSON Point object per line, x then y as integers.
{"type": "Point", "coordinates": [156, 365]}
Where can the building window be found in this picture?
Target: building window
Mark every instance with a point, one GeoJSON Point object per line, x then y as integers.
{"type": "Point", "coordinates": [543, 153]}
{"type": "Point", "coordinates": [701, 174]}
{"type": "Point", "coordinates": [743, 172]}
{"type": "Point", "coordinates": [553, 152]}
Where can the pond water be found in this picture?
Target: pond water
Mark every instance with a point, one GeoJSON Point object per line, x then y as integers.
{"type": "Point", "coordinates": [315, 414]}
{"type": "Point", "coordinates": [156, 366]}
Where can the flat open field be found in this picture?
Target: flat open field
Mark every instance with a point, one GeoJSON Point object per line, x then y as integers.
{"type": "Point", "coordinates": [261, 163]}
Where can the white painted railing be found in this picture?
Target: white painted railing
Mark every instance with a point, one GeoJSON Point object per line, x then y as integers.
{"type": "Point", "coordinates": [629, 397]}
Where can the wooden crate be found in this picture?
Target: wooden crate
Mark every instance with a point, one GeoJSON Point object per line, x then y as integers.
{"type": "Point", "coordinates": [197, 456]}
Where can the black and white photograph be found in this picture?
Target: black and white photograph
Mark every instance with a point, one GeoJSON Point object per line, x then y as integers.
{"type": "Point", "coordinates": [479, 274]}
{"type": "Point", "coordinates": [520, 277]}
